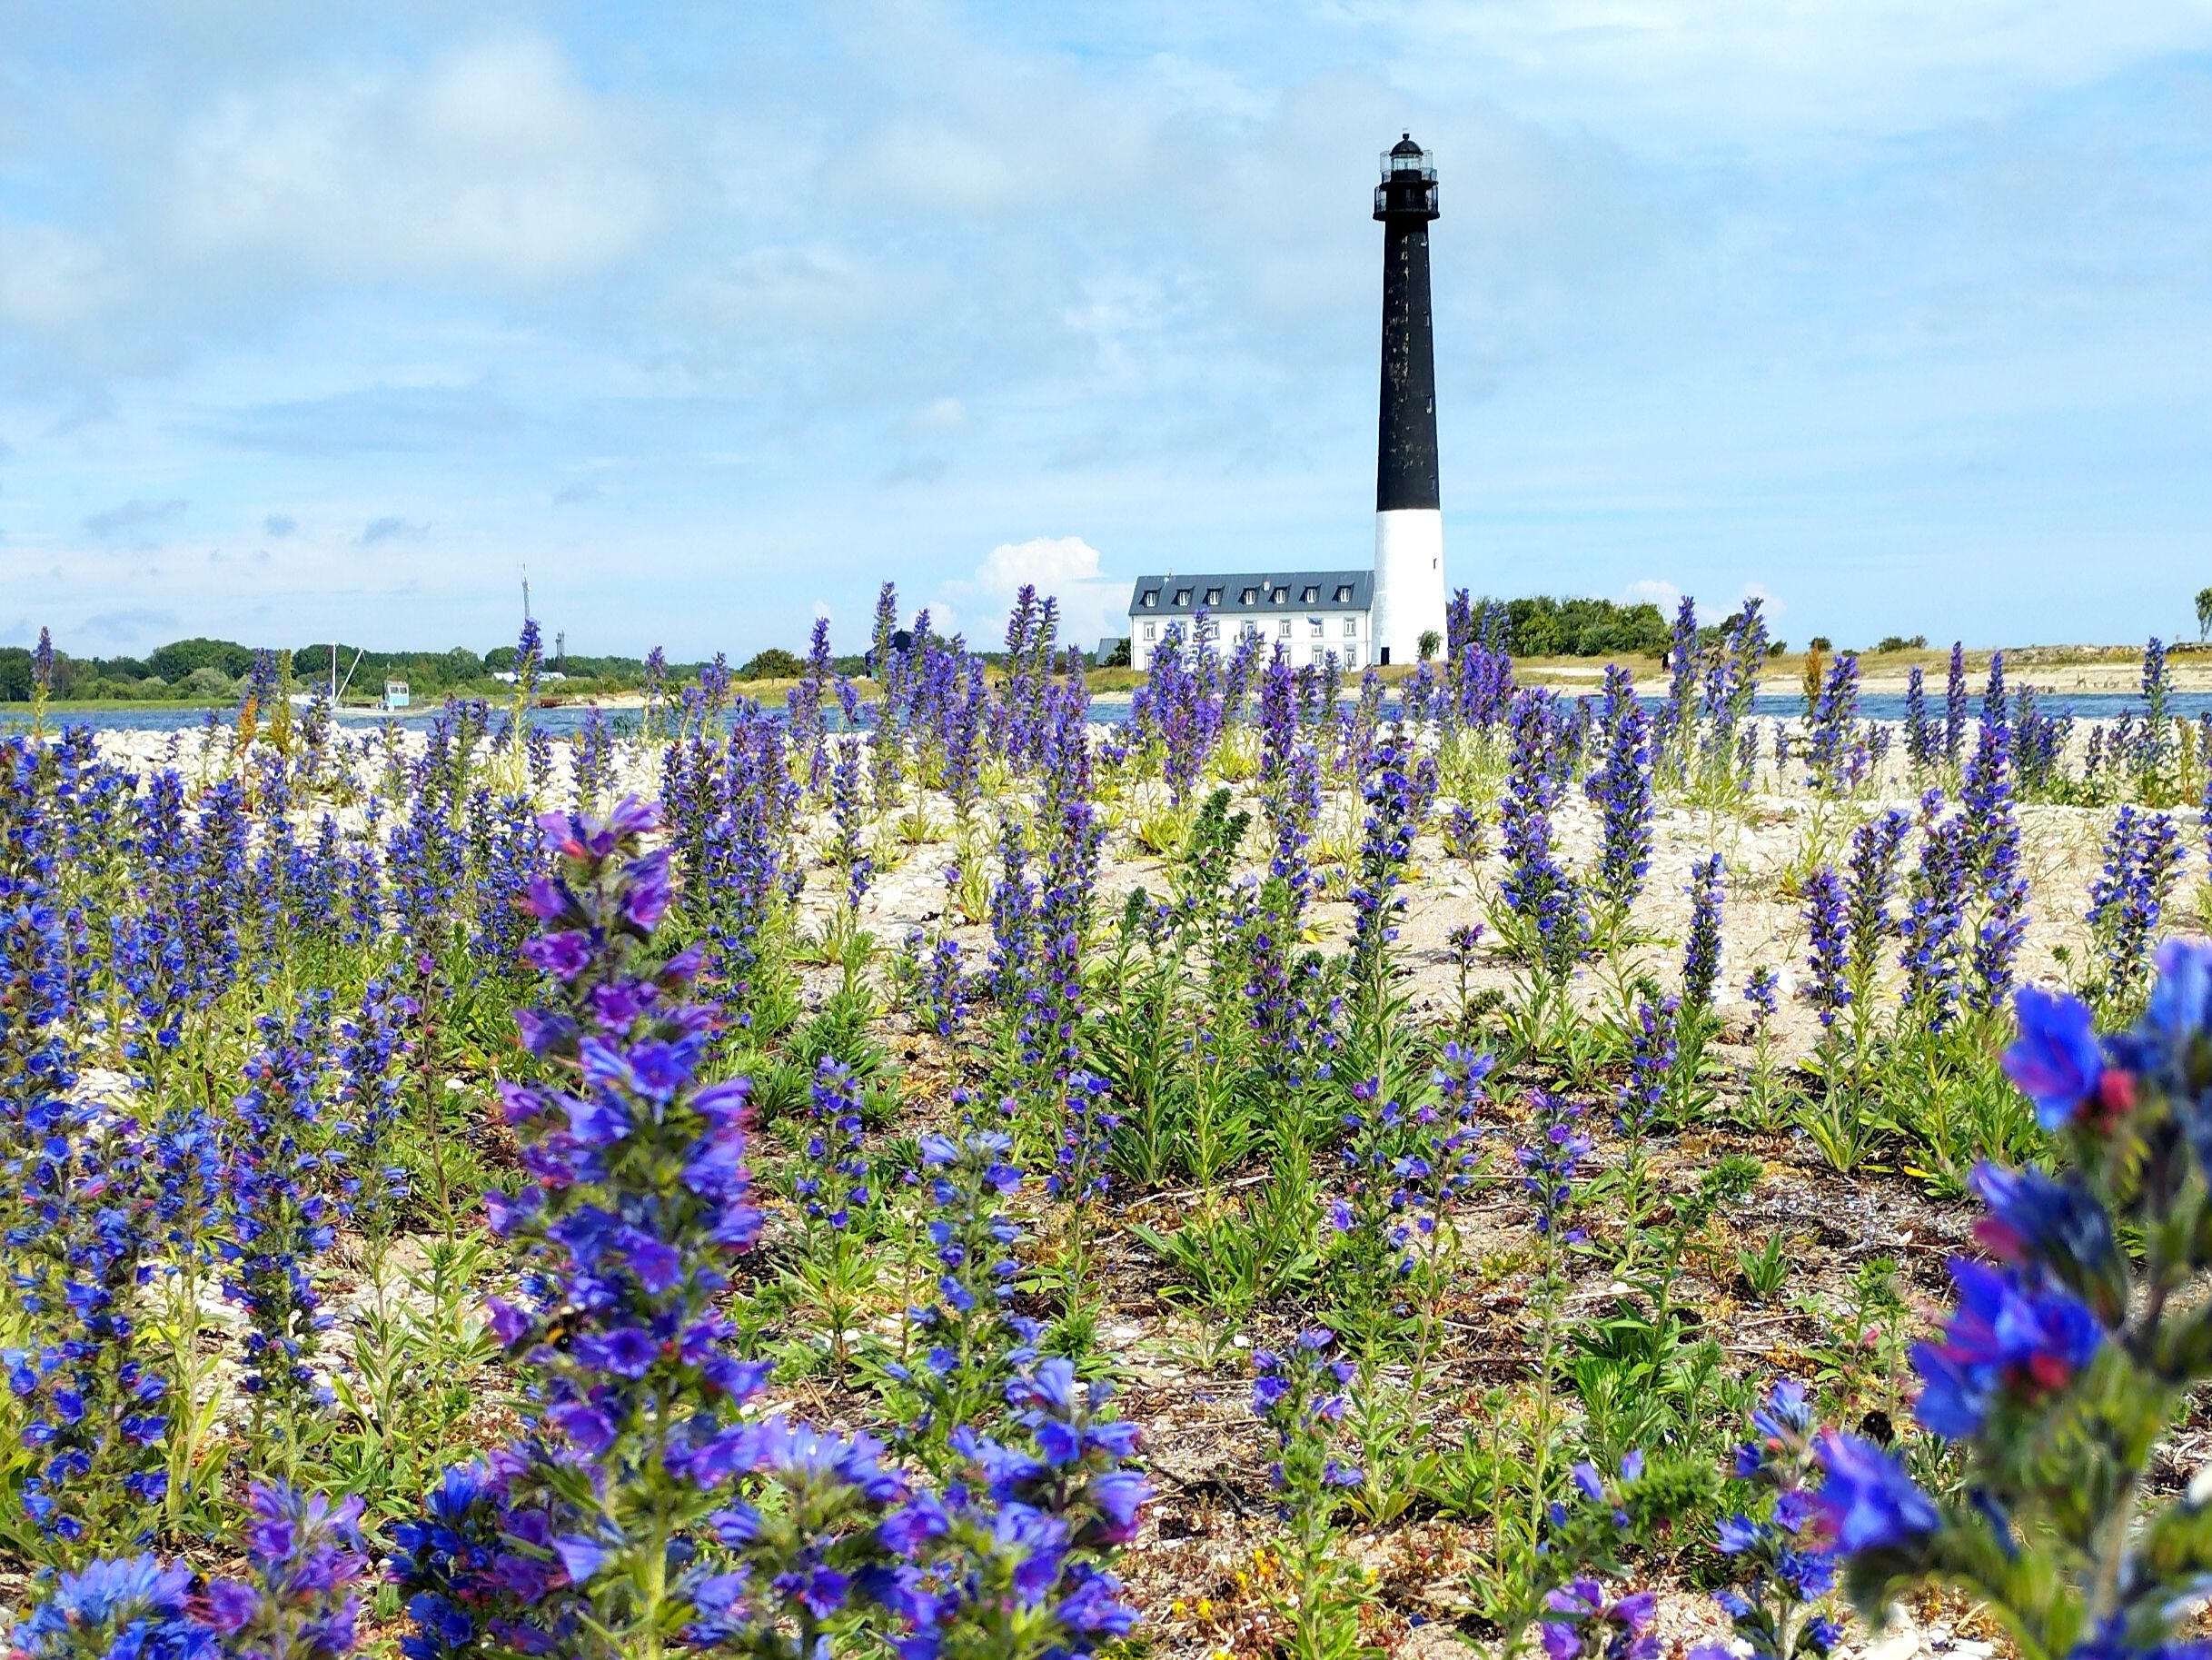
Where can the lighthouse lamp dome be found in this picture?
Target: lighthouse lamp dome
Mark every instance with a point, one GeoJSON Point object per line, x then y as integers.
{"type": "Point", "coordinates": [1407, 158]}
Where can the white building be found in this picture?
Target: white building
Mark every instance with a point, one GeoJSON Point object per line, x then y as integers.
{"type": "Point", "coordinates": [1311, 614]}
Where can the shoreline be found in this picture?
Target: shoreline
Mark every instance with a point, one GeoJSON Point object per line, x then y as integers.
{"type": "Point", "coordinates": [2053, 672]}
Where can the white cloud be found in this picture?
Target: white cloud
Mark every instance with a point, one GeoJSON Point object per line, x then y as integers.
{"type": "Point", "coordinates": [392, 528]}
{"type": "Point", "coordinates": [959, 172]}
{"type": "Point", "coordinates": [494, 162]}
{"type": "Point", "coordinates": [972, 151]}
{"type": "Point", "coordinates": [1651, 590]}
{"type": "Point", "coordinates": [937, 415]}
{"type": "Point", "coordinates": [124, 627]}
{"type": "Point", "coordinates": [783, 287]}
{"type": "Point", "coordinates": [1809, 66]}
{"type": "Point", "coordinates": [1771, 605]}
{"type": "Point", "coordinates": [1066, 568]}
{"type": "Point", "coordinates": [1048, 561]}
{"type": "Point", "coordinates": [50, 277]}
{"type": "Point", "coordinates": [135, 522]}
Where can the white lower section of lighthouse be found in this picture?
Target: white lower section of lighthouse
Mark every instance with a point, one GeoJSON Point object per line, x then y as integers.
{"type": "Point", "coordinates": [1409, 582]}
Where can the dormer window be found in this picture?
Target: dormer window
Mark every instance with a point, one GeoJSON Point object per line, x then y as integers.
{"type": "Point", "coordinates": [1213, 596]}
{"type": "Point", "coordinates": [1152, 597]}
{"type": "Point", "coordinates": [1280, 595]}
{"type": "Point", "coordinates": [1310, 594]}
{"type": "Point", "coordinates": [1343, 594]}
{"type": "Point", "coordinates": [1249, 597]}
{"type": "Point", "coordinates": [1183, 596]}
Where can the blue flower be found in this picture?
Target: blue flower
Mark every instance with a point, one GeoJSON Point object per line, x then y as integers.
{"type": "Point", "coordinates": [581, 1558]}
{"type": "Point", "coordinates": [1868, 1501]}
{"type": "Point", "coordinates": [2056, 1061]}
{"type": "Point", "coordinates": [2013, 1330]}
{"type": "Point", "coordinates": [141, 1606]}
{"type": "Point", "coordinates": [1738, 1534]}
{"type": "Point", "coordinates": [2180, 1006]}
{"type": "Point", "coordinates": [627, 1352]}
{"type": "Point", "coordinates": [2056, 1223]}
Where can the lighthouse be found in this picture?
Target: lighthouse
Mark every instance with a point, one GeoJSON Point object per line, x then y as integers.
{"type": "Point", "coordinates": [1356, 620]}
{"type": "Point", "coordinates": [1409, 532]}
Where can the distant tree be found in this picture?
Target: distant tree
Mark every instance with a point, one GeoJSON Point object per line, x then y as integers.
{"type": "Point", "coordinates": [178, 659]}
{"type": "Point", "coordinates": [207, 682]}
{"type": "Point", "coordinates": [1898, 643]}
{"type": "Point", "coordinates": [1431, 643]}
{"type": "Point", "coordinates": [1583, 627]}
{"type": "Point", "coordinates": [14, 674]}
{"type": "Point", "coordinates": [773, 664]}
{"type": "Point", "coordinates": [74, 678]}
{"type": "Point", "coordinates": [1536, 629]}
{"type": "Point", "coordinates": [459, 665]}
{"type": "Point", "coordinates": [2203, 613]}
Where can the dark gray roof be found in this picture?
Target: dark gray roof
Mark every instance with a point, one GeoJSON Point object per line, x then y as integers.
{"type": "Point", "coordinates": [1283, 592]}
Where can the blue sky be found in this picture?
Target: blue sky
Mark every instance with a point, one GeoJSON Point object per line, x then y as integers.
{"type": "Point", "coordinates": [715, 316]}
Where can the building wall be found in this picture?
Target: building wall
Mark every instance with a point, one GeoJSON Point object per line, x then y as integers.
{"type": "Point", "coordinates": [1348, 633]}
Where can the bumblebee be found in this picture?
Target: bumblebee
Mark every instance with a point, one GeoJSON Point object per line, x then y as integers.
{"type": "Point", "coordinates": [562, 1330]}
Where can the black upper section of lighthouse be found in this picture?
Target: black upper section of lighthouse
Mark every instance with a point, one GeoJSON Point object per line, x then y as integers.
{"type": "Point", "coordinates": [1406, 450]}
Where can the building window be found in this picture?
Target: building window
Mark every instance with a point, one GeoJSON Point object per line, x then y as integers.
{"type": "Point", "coordinates": [1311, 593]}
{"type": "Point", "coordinates": [1213, 596]}
{"type": "Point", "coordinates": [1352, 657]}
{"type": "Point", "coordinates": [1251, 596]}
{"type": "Point", "coordinates": [1281, 595]}
{"type": "Point", "coordinates": [1282, 629]}
{"type": "Point", "coordinates": [1183, 596]}
{"type": "Point", "coordinates": [1315, 624]}
{"type": "Point", "coordinates": [1352, 628]}
{"type": "Point", "coordinates": [1343, 594]}
{"type": "Point", "coordinates": [1152, 596]}
{"type": "Point", "coordinates": [1252, 629]}
{"type": "Point", "coordinates": [1152, 630]}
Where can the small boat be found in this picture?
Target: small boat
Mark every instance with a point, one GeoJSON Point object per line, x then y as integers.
{"type": "Point", "coordinates": [395, 695]}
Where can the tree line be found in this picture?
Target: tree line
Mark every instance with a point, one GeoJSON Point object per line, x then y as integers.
{"type": "Point", "coordinates": [206, 668]}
